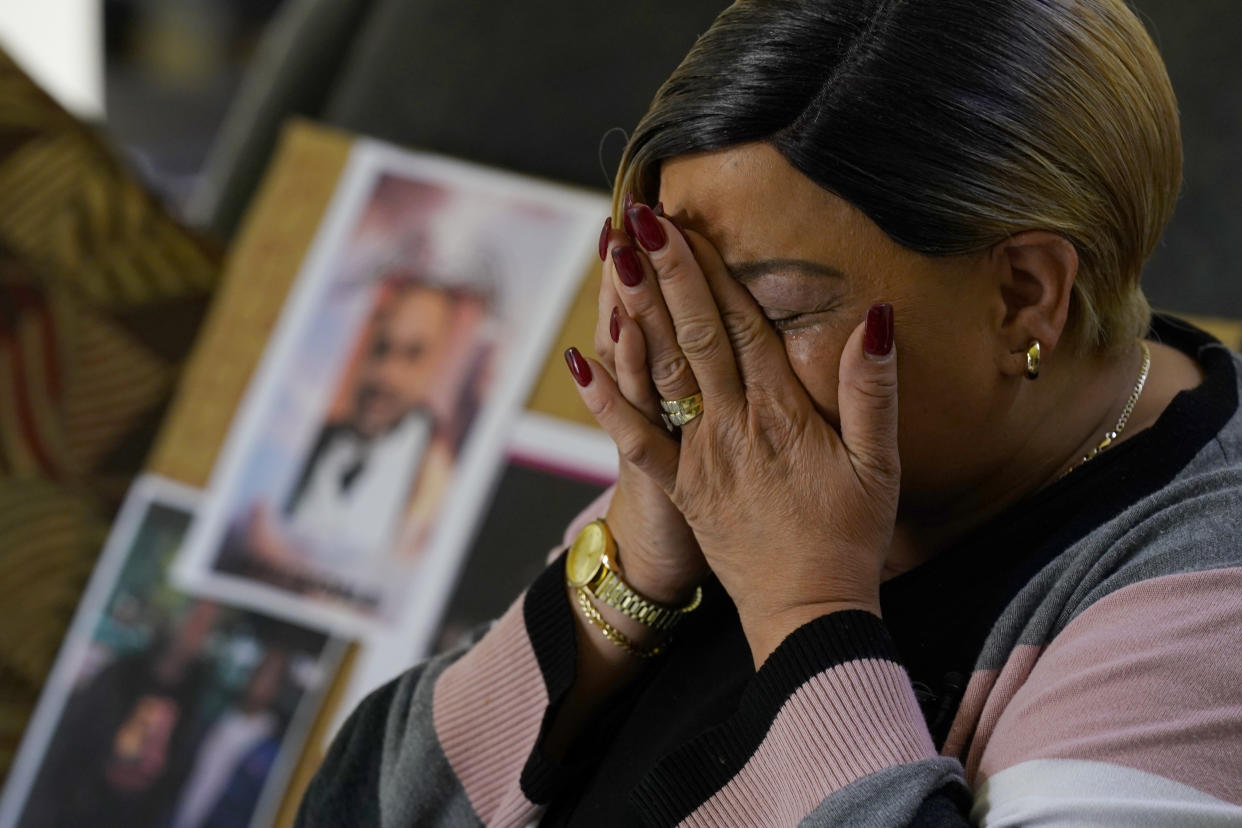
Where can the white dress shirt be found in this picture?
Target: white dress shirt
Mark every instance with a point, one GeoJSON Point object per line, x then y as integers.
{"type": "Point", "coordinates": [354, 498]}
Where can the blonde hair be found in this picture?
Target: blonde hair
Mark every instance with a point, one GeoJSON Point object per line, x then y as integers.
{"type": "Point", "coordinates": [953, 124]}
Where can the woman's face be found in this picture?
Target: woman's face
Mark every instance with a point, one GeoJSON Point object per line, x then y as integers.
{"type": "Point", "coordinates": [826, 264]}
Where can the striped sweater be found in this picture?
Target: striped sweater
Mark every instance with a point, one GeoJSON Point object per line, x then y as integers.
{"type": "Point", "coordinates": [1076, 661]}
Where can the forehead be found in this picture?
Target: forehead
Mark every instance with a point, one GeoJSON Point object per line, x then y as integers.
{"type": "Point", "coordinates": [416, 305]}
{"type": "Point", "coordinates": [752, 204]}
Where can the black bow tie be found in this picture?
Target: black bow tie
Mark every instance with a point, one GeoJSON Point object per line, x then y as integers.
{"type": "Point", "coordinates": [351, 472]}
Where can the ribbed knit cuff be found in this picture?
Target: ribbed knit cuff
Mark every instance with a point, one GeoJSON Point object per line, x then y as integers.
{"type": "Point", "coordinates": [488, 708]}
{"type": "Point", "coordinates": [693, 774]}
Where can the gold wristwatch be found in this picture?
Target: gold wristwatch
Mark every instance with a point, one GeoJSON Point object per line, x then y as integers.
{"type": "Point", "coordinates": [592, 566]}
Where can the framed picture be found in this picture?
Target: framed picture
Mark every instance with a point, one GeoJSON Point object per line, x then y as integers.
{"type": "Point", "coordinates": [372, 430]}
{"type": "Point", "coordinates": [165, 709]}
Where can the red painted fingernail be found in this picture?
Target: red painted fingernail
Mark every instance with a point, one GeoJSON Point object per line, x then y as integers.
{"type": "Point", "coordinates": [878, 335]}
{"type": "Point", "coordinates": [614, 325]}
{"type": "Point", "coordinates": [629, 268]}
{"type": "Point", "coordinates": [659, 208]}
{"type": "Point", "coordinates": [579, 367]}
{"type": "Point", "coordinates": [647, 229]}
{"type": "Point", "coordinates": [603, 239]}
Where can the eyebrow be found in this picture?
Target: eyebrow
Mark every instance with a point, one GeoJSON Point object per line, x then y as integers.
{"type": "Point", "coordinates": [749, 271]}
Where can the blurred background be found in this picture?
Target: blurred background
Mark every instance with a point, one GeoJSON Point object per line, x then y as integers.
{"type": "Point", "coordinates": [193, 92]}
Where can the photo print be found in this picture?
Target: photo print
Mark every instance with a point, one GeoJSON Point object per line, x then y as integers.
{"type": "Point", "coordinates": [165, 710]}
{"type": "Point", "coordinates": [371, 432]}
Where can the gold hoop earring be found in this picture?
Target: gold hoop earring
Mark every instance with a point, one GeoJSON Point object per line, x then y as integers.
{"type": "Point", "coordinates": [1032, 360]}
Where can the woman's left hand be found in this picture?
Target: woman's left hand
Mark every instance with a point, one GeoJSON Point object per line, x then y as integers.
{"type": "Point", "coordinates": [794, 519]}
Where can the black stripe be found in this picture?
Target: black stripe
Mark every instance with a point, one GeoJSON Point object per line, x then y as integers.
{"type": "Point", "coordinates": [690, 775]}
{"type": "Point", "coordinates": [947, 807]}
{"type": "Point", "coordinates": [550, 626]}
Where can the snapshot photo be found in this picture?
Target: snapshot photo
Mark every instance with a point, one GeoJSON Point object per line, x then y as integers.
{"type": "Point", "coordinates": [376, 420]}
{"type": "Point", "coordinates": [165, 710]}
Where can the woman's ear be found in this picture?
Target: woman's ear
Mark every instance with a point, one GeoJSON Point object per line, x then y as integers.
{"type": "Point", "coordinates": [1035, 279]}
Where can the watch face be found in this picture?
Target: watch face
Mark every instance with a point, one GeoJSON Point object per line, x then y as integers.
{"type": "Point", "coordinates": [585, 555]}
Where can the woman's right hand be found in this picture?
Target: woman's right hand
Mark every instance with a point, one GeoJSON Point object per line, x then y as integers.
{"type": "Point", "coordinates": [658, 553]}
{"type": "Point", "coordinates": [659, 556]}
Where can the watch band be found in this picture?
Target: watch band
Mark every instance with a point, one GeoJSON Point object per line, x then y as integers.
{"type": "Point", "coordinates": [591, 566]}
{"type": "Point", "coordinates": [616, 593]}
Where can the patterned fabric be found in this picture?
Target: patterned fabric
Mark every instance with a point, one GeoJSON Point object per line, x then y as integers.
{"type": "Point", "coordinates": [100, 296]}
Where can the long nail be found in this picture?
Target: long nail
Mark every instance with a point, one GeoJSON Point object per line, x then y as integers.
{"type": "Point", "coordinates": [603, 239]}
{"type": "Point", "coordinates": [629, 268]}
{"type": "Point", "coordinates": [614, 325]}
{"type": "Point", "coordinates": [647, 229]}
{"type": "Point", "coordinates": [659, 208]}
{"type": "Point", "coordinates": [579, 367]}
{"type": "Point", "coordinates": [878, 335]}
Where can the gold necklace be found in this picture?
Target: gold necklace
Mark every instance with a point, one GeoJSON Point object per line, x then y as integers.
{"type": "Point", "coordinates": [1110, 436]}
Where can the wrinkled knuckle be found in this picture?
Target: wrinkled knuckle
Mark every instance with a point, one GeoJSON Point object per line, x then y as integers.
{"type": "Point", "coordinates": [672, 267]}
{"type": "Point", "coordinates": [634, 451]}
{"type": "Point", "coordinates": [747, 330]}
{"type": "Point", "coordinates": [671, 370]}
{"type": "Point", "coordinates": [699, 339]}
{"type": "Point", "coordinates": [602, 407]}
{"type": "Point", "coordinates": [879, 392]}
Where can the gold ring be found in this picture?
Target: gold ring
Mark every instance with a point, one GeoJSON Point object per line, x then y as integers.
{"type": "Point", "coordinates": [677, 413]}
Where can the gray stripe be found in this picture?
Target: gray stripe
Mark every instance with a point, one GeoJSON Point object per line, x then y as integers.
{"type": "Point", "coordinates": [417, 785]}
{"type": "Point", "coordinates": [886, 798]}
{"type": "Point", "coordinates": [1192, 525]}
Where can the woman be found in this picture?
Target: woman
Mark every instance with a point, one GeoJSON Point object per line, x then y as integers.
{"type": "Point", "coordinates": [963, 527]}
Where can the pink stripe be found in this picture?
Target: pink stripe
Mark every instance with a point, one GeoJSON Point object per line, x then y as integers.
{"type": "Point", "coordinates": [968, 712]}
{"type": "Point", "coordinates": [1149, 677]}
{"type": "Point", "coordinates": [1010, 680]}
{"type": "Point", "coordinates": [487, 710]}
{"type": "Point", "coordinates": [845, 723]}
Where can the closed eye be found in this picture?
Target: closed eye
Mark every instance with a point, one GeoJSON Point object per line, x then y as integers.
{"type": "Point", "coordinates": [789, 322]}
{"type": "Point", "coordinates": [785, 323]}
{"type": "Point", "coordinates": [784, 320]}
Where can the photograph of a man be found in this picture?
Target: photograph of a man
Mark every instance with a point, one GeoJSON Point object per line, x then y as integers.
{"type": "Point", "coordinates": [357, 478]}
{"type": "Point", "coordinates": [364, 445]}
{"type": "Point", "coordinates": [380, 462]}
{"type": "Point", "coordinates": [126, 736]}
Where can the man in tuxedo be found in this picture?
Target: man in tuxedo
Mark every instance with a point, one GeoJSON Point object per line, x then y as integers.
{"type": "Point", "coordinates": [357, 477]}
